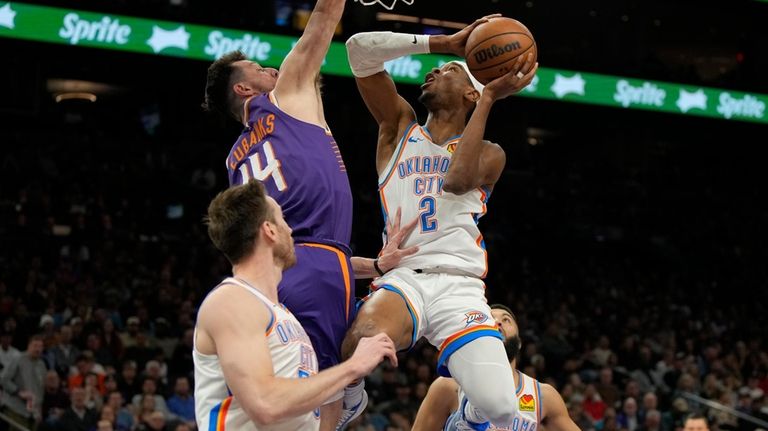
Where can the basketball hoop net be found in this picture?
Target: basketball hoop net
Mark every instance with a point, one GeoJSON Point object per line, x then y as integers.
{"type": "Point", "coordinates": [388, 4]}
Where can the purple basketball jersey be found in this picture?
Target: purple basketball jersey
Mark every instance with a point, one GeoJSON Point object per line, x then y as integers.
{"type": "Point", "coordinates": [300, 167]}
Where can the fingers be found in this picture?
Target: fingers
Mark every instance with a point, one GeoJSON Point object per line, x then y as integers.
{"type": "Point", "coordinates": [389, 348]}
{"type": "Point", "coordinates": [408, 251]}
{"type": "Point", "coordinates": [487, 17]}
{"type": "Point", "coordinates": [528, 63]}
{"type": "Point", "coordinates": [530, 75]}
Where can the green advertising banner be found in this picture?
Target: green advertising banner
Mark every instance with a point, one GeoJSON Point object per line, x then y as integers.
{"type": "Point", "coordinates": [74, 27]}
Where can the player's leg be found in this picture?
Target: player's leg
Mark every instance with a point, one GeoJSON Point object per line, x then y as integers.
{"type": "Point", "coordinates": [394, 308]}
{"type": "Point", "coordinates": [471, 347]}
{"type": "Point", "coordinates": [319, 292]}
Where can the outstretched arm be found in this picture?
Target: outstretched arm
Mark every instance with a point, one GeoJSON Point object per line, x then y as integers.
{"type": "Point", "coordinates": [391, 254]}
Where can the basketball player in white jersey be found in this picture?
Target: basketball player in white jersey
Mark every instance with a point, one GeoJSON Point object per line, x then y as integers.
{"type": "Point", "coordinates": [255, 368]}
{"type": "Point", "coordinates": [443, 173]}
{"type": "Point", "coordinates": [540, 406]}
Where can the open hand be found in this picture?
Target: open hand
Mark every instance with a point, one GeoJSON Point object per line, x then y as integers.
{"type": "Point", "coordinates": [522, 73]}
{"type": "Point", "coordinates": [392, 254]}
{"type": "Point", "coordinates": [457, 42]}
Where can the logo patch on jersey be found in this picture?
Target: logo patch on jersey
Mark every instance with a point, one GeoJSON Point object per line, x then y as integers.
{"type": "Point", "coordinates": [475, 317]}
{"type": "Point", "coordinates": [527, 403]}
{"type": "Point", "coordinates": [451, 147]}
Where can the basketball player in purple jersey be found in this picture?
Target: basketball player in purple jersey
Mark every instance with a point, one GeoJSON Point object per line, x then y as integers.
{"type": "Point", "coordinates": [287, 145]}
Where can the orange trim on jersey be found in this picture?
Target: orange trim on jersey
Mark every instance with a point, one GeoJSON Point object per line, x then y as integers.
{"type": "Point", "coordinates": [384, 203]}
{"type": "Point", "coordinates": [344, 270]}
{"type": "Point", "coordinates": [464, 332]}
{"type": "Point", "coordinates": [402, 145]}
{"type": "Point", "coordinates": [221, 421]}
{"type": "Point", "coordinates": [245, 110]}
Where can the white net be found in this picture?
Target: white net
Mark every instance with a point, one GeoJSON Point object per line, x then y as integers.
{"type": "Point", "coordinates": [387, 4]}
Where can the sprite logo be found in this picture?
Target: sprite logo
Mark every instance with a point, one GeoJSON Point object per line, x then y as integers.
{"type": "Point", "coordinates": [746, 107]}
{"type": "Point", "coordinates": [648, 94]}
{"type": "Point", "coordinates": [104, 30]}
{"type": "Point", "coordinates": [404, 67]}
{"type": "Point", "coordinates": [250, 45]}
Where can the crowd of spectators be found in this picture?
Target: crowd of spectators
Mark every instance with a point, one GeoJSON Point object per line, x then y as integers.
{"type": "Point", "coordinates": [630, 279]}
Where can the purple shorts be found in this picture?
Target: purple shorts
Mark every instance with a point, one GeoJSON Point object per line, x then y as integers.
{"type": "Point", "coordinates": [319, 291]}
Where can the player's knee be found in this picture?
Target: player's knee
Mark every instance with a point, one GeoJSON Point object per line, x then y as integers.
{"type": "Point", "coordinates": [499, 404]}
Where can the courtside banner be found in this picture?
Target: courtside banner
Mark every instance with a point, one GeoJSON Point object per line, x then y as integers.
{"type": "Point", "coordinates": [153, 37]}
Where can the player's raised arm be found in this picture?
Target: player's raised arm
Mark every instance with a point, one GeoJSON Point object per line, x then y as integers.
{"type": "Point", "coordinates": [477, 162]}
{"type": "Point", "coordinates": [367, 54]}
{"type": "Point", "coordinates": [299, 70]}
{"type": "Point", "coordinates": [555, 417]}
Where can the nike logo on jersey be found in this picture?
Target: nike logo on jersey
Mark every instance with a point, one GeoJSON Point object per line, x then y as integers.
{"type": "Point", "coordinates": [414, 40]}
{"type": "Point", "coordinates": [414, 140]}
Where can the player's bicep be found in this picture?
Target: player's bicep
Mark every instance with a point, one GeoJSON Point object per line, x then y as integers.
{"type": "Point", "coordinates": [380, 96]}
{"type": "Point", "coordinates": [556, 417]}
{"type": "Point", "coordinates": [240, 340]}
{"type": "Point", "coordinates": [492, 162]}
{"type": "Point", "coordinates": [440, 401]}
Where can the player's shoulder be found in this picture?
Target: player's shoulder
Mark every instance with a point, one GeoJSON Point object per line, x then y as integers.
{"type": "Point", "coordinates": [445, 384]}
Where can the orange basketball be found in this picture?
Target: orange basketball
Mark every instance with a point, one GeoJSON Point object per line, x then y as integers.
{"type": "Point", "coordinates": [493, 46]}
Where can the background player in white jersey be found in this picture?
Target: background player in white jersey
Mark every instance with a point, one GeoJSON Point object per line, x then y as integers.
{"type": "Point", "coordinates": [540, 406]}
{"type": "Point", "coordinates": [255, 368]}
{"type": "Point", "coordinates": [443, 173]}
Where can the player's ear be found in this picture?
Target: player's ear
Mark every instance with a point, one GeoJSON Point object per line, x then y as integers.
{"type": "Point", "coordinates": [472, 95]}
{"type": "Point", "coordinates": [243, 89]}
{"type": "Point", "coordinates": [269, 231]}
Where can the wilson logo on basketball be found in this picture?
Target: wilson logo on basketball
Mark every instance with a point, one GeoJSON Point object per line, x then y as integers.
{"type": "Point", "coordinates": [494, 51]}
{"type": "Point", "coordinates": [527, 403]}
{"type": "Point", "coordinates": [475, 317]}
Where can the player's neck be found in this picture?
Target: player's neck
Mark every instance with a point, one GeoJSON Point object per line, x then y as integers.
{"type": "Point", "coordinates": [444, 124]}
{"type": "Point", "coordinates": [261, 272]}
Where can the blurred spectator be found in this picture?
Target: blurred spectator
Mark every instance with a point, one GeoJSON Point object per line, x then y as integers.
{"type": "Point", "coordinates": [63, 355]}
{"type": "Point", "coordinates": [628, 417]}
{"type": "Point", "coordinates": [652, 421]}
{"type": "Point", "coordinates": [579, 416]}
{"type": "Point", "coordinates": [8, 353]}
{"type": "Point", "coordinates": [181, 362]}
{"type": "Point", "coordinates": [78, 417]}
{"type": "Point", "coordinates": [23, 382]}
{"type": "Point", "coordinates": [182, 404]}
{"type": "Point", "coordinates": [123, 417]}
{"type": "Point", "coordinates": [128, 381]}
{"type": "Point", "coordinates": [149, 390]}
{"type": "Point", "coordinates": [593, 404]}
{"type": "Point", "coordinates": [608, 391]}
{"type": "Point", "coordinates": [696, 422]}
{"type": "Point", "coordinates": [84, 366]}
{"type": "Point", "coordinates": [55, 400]}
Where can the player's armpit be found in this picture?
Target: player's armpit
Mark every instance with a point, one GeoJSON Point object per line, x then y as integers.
{"type": "Point", "coordinates": [555, 415]}
{"type": "Point", "coordinates": [492, 162]}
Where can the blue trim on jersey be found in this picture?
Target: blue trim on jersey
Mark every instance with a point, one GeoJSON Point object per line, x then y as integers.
{"type": "Point", "coordinates": [394, 289]}
{"type": "Point", "coordinates": [398, 152]}
{"type": "Point", "coordinates": [540, 406]}
{"type": "Point", "coordinates": [213, 417]}
{"type": "Point", "coordinates": [429, 135]}
{"type": "Point", "coordinates": [519, 381]}
{"type": "Point", "coordinates": [442, 369]}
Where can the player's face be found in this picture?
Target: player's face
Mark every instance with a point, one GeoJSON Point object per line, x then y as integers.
{"type": "Point", "coordinates": [450, 80]}
{"type": "Point", "coordinates": [505, 323]}
{"type": "Point", "coordinates": [284, 251]}
{"type": "Point", "coordinates": [260, 79]}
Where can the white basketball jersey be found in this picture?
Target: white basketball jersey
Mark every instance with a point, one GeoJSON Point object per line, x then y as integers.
{"type": "Point", "coordinates": [292, 357]}
{"type": "Point", "coordinates": [529, 412]}
{"type": "Point", "coordinates": [447, 233]}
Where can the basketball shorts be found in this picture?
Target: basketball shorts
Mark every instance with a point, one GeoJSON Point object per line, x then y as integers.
{"type": "Point", "coordinates": [448, 310]}
{"type": "Point", "coordinates": [318, 290]}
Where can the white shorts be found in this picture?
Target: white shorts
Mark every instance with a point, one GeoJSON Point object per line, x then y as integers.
{"type": "Point", "coordinates": [448, 310]}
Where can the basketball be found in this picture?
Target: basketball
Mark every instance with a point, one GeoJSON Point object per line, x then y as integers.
{"type": "Point", "coordinates": [493, 47]}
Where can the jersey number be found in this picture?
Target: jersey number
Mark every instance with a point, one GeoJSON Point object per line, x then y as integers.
{"type": "Point", "coordinates": [262, 173]}
{"type": "Point", "coordinates": [427, 215]}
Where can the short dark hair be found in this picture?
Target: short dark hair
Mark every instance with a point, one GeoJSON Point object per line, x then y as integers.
{"type": "Point", "coordinates": [217, 95]}
{"type": "Point", "coordinates": [234, 218]}
{"type": "Point", "coordinates": [505, 308]}
{"type": "Point", "coordinates": [696, 416]}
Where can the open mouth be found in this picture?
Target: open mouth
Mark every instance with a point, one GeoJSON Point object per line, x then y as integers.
{"type": "Point", "coordinates": [430, 79]}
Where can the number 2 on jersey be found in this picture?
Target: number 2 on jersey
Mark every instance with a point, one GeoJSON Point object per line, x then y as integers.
{"type": "Point", "coordinates": [272, 169]}
{"type": "Point", "coordinates": [427, 214]}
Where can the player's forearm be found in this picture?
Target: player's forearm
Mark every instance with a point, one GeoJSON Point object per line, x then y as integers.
{"type": "Point", "coordinates": [369, 51]}
{"type": "Point", "coordinates": [286, 398]}
{"type": "Point", "coordinates": [464, 173]}
{"type": "Point", "coordinates": [363, 267]}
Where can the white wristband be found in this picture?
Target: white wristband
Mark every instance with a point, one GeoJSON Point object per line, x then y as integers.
{"type": "Point", "coordinates": [367, 52]}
